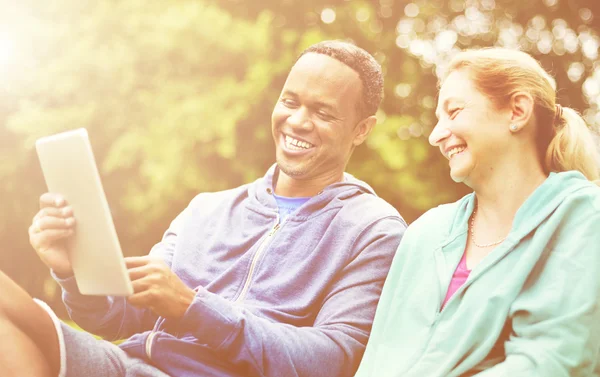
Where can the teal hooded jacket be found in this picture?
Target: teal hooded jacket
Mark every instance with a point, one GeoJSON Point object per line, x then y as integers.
{"type": "Point", "coordinates": [529, 308]}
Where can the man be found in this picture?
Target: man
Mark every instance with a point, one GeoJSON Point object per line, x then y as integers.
{"type": "Point", "coordinates": [276, 278]}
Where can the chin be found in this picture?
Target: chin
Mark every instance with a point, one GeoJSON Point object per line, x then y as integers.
{"type": "Point", "coordinates": [291, 172]}
{"type": "Point", "coordinates": [290, 169]}
{"type": "Point", "coordinates": [461, 170]}
{"type": "Point", "coordinates": [459, 175]}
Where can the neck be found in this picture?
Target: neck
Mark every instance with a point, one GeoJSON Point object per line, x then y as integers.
{"type": "Point", "coordinates": [504, 192]}
{"type": "Point", "coordinates": [293, 188]}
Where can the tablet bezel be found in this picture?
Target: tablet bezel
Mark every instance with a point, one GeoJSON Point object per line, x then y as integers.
{"type": "Point", "coordinates": [95, 253]}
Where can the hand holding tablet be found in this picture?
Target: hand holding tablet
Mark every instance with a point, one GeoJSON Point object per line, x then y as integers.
{"type": "Point", "coordinates": [94, 252]}
{"type": "Point", "coordinates": [51, 227]}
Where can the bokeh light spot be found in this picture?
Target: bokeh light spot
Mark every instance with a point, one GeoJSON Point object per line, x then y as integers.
{"type": "Point", "coordinates": [411, 10]}
{"type": "Point", "coordinates": [589, 48]}
{"type": "Point", "coordinates": [402, 90]}
{"type": "Point", "coordinates": [415, 130]}
{"type": "Point", "coordinates": [328, 16]}
{"type": "Point", "coordinates": [385, 11]}
{"type": "Point", "coordinates": [403, 41]}
{"type": "Point", "coordinates": [575, 71]}
{"type": "Point", "coordinates": [403, 133]}
{"type": "Point", "coordinates": [585, 14]}
{"type": "Point", "coordinates": [363, 15]}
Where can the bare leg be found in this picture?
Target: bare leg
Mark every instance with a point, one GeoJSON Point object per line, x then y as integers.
{"type": "Point", "coordinates": [29, 345]}
{"type": "Point", "coordinates": [19, 356]}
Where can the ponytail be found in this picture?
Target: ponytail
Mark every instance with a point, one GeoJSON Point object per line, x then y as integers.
{"type": "Point", "coordinates": [574, 146]}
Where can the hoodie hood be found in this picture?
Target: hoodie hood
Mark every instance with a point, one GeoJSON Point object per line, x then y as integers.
{"type": "Point", "coordinates": [332, 196]}
{"type": "Point", "coordinates": [536, 208]}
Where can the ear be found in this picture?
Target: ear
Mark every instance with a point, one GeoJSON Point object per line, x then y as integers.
{"type": "Point", "coordinates": [521, 106]}
{"type": "Point", "coordinates": [363, 129]}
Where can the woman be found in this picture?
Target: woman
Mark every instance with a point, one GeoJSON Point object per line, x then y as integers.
{"type": "Point", "coordinates": [506, 281]}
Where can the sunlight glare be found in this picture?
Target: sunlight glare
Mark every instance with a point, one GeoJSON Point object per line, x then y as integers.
{"type": "Point", "coordinates": [6, 50]}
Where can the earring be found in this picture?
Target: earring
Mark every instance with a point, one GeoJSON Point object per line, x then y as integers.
{"type": "Point", "coordinates": [514, 127]}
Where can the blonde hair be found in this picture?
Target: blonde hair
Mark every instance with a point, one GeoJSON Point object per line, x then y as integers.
{"type": "Point", "coordinates": [564, 141]}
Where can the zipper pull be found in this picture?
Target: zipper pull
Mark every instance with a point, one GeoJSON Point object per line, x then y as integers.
{"type": "Point", "coordinates": [275, 229]}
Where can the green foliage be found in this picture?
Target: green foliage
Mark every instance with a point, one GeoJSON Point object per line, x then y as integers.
{"type": "Point", "coordinates": [177, 96]}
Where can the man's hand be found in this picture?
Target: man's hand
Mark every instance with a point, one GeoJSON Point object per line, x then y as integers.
{"type": "Point", "coordinates": [157, 288]}
{"type": "Point", "coordinates": [49, 230]}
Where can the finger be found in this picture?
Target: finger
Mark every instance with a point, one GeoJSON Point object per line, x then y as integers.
{"type": "Point", "coordinates": [133, 262]}
{"type": "Point", "coordinates": [141, 285]}
{"type": "Point", "coordinates": [138, 273]}
{"type": "Point", "coordinates": [47, 222]}
{"type": "Point", "coordinates": [50, 199]}
{"type": "Point", "coordinates": [39, 227]}
{"type": "Point", "coordinates": [63, 212]}
{"type": "Point", "coordinates": [46, 238]}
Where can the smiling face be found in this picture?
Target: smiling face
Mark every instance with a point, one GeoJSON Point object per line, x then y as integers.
{"type": "Point", "coordinates": [471, 132]}
{"type": "Point", "coordinates": [314, 120]}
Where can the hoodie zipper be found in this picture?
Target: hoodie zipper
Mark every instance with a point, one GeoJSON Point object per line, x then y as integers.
{"type": "Point", "coordinates": [257, 255]}
{"type": "Point", "coordinates": [242, 295]}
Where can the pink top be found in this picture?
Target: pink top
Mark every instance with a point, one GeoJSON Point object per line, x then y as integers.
{"type": "Point", "coordinates": [458, 279]}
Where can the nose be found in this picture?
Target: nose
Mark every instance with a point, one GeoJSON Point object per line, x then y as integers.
{"type": "Point", "coordinates": [438, 134]}
{"type": "Point", "coordinates": [300, 119]}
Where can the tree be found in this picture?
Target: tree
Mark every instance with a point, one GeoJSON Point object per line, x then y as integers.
{"type": "Point", "coordinates": [161, 90]}
{"type": "Point", "coordinates": [177, 98]}
{"type": "Point", "coordinates": [412, 40]}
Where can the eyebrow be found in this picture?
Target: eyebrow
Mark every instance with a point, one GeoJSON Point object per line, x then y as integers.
{"type": "Point", "coordinates": [289, 93]}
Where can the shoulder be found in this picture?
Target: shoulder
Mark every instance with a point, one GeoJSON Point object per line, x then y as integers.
{"type": "Point", "coordinates": [370, 207]}
{"type": "Point", "coordinates": [571, 233]}
{"type": "Point", "coordinates": [588, 195]}
{"type": "Point", "coordinates": [374, 227]}
{"type": "Point", "coordinates": [219, 195]}
{"type": "Point", "coordinates": [364, 217]}
{"type": "Point", "coordinates": [576, 194]}
{"type": "Point", "coordinates": [579, 213]}
{"type": "Point", "coordinates": [209, 201]}
{"type": "Point", "coordinates": [581, 205]}
{"type": "Point", "coordinates": [359, 202]}
{"type": "Point", "coordinates": [367, 217]}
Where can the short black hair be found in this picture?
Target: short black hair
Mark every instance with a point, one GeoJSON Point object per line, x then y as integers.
{"type": "Point", "coordinates": [363, 63]}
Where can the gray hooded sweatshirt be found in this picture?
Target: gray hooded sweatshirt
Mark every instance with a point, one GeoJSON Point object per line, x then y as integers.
{"type": "Point", "coordinates": [275, 299]}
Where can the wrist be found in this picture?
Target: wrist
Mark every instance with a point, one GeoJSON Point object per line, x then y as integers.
{"type": "Point", "coordinates": [185, 301]}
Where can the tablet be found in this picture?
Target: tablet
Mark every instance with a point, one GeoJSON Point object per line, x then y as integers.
{"type": "Point", "coordinates": [69, 169]}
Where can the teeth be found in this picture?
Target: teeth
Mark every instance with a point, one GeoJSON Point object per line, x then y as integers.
{"type": "Point", "coordinates": [455, 150]}
{"type": "Point", "coordinates": [297, 143]}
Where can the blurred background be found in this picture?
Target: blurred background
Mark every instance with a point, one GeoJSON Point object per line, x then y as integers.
{"type": "Point", "coordinates": [177, 96]}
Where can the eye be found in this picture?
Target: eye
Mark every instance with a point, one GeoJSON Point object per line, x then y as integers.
{"type": "Point", "coordinates": [324, 115]}
{"type": "Point", "coordinates": [452, 113]}
{"type": "Point", "coordinates": [288, 102]}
